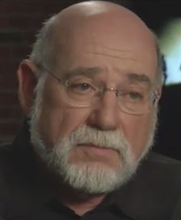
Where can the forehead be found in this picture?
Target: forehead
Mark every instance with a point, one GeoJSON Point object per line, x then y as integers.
{"type": "Point", "coordinates": [108, 44]}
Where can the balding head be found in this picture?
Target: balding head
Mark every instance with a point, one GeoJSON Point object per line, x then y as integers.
{"type": "Point", "coordinates": [94, 8]}
{"type": "Point", "coordinates": [88, 19]}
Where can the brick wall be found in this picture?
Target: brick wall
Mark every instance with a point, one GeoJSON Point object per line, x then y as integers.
{"type": "Point", "coordinates": [19, 22]}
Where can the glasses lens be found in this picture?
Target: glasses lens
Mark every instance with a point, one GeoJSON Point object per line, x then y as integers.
{"type": "Point", "coordinates": [81, 92]}
{"type": "Point", "coordinates": [132, 99]}
{"type": "Point", "coordinates": [135, 100]}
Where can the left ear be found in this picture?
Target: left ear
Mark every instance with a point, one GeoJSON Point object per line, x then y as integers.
{"type": "Point", "coordinates": [159, 89]}
{"type": "Point", "coordinates": [27, 83]}
{"type": "Point", "coordinates": [159, 92]}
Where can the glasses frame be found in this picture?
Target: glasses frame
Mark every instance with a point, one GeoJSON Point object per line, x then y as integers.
{"type": "Point", "coordinates": [155, 93]}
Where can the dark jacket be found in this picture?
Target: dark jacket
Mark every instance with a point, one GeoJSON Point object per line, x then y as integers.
{"type": "Point", "coordinates": [154, 193]}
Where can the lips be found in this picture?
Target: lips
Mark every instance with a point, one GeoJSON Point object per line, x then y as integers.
{"type": "Point", "coordinates": [97, 149]}
{"type": "Point", "coordinates": [95, 146]}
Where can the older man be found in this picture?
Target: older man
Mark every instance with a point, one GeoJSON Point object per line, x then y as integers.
{"type": "Point", "coordinates": [90, 90]}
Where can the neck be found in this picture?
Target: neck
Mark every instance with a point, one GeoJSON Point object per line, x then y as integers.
{"type": "Point", "coordinates": [80, 202]}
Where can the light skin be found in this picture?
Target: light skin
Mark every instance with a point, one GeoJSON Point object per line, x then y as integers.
{"type": "Point", "coordinates": [116, 41]}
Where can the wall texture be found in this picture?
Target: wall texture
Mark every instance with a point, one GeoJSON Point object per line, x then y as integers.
{"type": "Point", "coordinates": [19, 22]}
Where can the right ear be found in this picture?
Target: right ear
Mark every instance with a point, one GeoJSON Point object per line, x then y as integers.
{"type": "Point", "coordinates": [27, 83]}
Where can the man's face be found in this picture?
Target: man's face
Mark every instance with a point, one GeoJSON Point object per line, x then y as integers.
{"type": "Point", "coordinates": [95, 148]}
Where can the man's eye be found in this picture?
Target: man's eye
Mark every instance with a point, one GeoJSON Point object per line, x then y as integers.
{"type": "Point", "coordinates": [132, 96]}
{"type": "Point", "coordinates": [81, 87]}
{"type": "Point", "coordinates": [135, 95]}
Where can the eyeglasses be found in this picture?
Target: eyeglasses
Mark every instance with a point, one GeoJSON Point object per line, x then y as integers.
{"type": "Point", "coordinates": [82, 92]}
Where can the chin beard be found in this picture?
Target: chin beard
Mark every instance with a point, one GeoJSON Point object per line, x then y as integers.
{"type": "Point", "coordinates": [85, 176]}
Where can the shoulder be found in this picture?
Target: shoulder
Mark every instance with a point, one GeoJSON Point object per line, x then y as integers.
{"type": "Point", "coordinates": [160, 174]}
{"type": "Point", "coordinates": [6, 172]}
{"type": "Point", "coordinates": [161, 167]}
{"type": "Point", "coordinates": [161, 159]}
{"type": "Point", "coordinates": [5, 155]}
{"type": "Point", "coordinates": [154, 159]}
{"type": "Point", "coordinates": [162, 183]}
{"type": "Point", "coordinates": [7, 165]}
{"type": "Point", "coordinates": [154, 192]}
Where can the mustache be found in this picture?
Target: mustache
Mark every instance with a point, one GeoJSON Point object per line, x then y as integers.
{"type": "Point", "coordinates": [106, 139]}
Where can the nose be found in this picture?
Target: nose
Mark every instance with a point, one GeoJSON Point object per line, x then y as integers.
{"type": "Point", "coordinates": [105, 115]}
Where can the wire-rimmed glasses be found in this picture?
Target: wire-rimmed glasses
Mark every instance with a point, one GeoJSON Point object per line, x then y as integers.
{"type": "Point", "coordinates": [132, 98]}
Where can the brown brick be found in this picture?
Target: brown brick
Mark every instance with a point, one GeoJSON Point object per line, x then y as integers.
{"type": "Point", "coordinates": [52, 6]}
{"type": "Point", "coordinates": [33, 6]}
{"type": "Point", "coordinates": [58, 5]}
{"type": "Point", "coordinates": [3, 22]}
{"type": "Point", "coordinates": [8, 66]}
{"type": "Point", "coordinates": [9, 129]}
{"type": "Point", "coordinates": [12, 7]}
{"type": "Point", "coordinates": [19, 51]}
{"type": "Point", "coordinates": [29, 37]}
{"type": "Point", "coordinates": [16, 36]}
{"type": "Point", "coordinates": [19, 21]}
{"type": "Point", "coordinates": [10, 51]}
{"type": "Point", "coordinates": [8, 99]}
{"type": "Point", "coordinates": [8, 82]}
{"type": "Point", "coordinates": [5, 52]}
{"type": "Point", "coordinates": [13, 113]}
{"type": "Point", "coordinates": [36, 22]}
{"type": "Point", "coordinates": [25, 22]}
{"type": "Point", "coordinates": [6, 139]}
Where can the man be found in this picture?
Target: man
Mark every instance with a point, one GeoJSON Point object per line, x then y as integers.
{"type": "Point", "coordinates": [90, 90]}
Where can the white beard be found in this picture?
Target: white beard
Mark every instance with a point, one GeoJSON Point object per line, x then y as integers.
{"type": "Point", "coordinates": [84, 176]}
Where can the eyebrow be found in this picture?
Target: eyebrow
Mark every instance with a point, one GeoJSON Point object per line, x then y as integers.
{"type": "Point", "coordinates": [92, 71]}
{"type": "Point", "coordinates": [142, 78]}
{"type": "Point", "coordinates": [82, 71]}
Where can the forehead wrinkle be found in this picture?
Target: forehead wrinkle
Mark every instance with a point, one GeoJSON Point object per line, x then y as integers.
{"type": "Point", "coordinates": [111, 55]}
{"type": "Point", "coordinates": [107, 51]}
{"type": "Point", "coordinates": [100, 45]}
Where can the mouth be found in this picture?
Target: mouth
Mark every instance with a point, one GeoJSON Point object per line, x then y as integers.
{"type": "Point", "coordinates": [97, 149]}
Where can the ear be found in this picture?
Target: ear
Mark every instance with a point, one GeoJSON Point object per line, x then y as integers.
{"type": "Point", "coordinates": [27, 83]}
{"type": "Point", "coordinates": [159, 89]}
{"type": "Point", "coordinates": [159, 93]}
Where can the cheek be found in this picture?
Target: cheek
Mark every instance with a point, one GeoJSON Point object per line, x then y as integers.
{"type": "Point", "coordinates": [137, 130]}
{"type": "Point", "coordinates": [58, 120]}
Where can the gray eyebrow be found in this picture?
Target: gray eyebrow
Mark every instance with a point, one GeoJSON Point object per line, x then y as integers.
{"type": "Point", "coordinates": [142, 78]}
{"type": "Point", "coordinates": [90, 72]}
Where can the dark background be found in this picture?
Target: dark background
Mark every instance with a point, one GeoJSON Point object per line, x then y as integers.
{"type": "Point", "coordinates": [168, 140]}
{"type": "Point", "coordinates": [20, 21]}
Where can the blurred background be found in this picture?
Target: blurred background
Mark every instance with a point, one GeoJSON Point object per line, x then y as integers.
{"type": "Point", "coordinates": [21, 19]}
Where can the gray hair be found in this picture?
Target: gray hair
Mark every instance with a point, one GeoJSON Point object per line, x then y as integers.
{"type": "Point", "coordinates": [42, 50]}
{"type": "Point", "coordinates": [159, 70]}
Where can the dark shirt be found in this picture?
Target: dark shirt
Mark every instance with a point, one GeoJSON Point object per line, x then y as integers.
{"type": "Point", "coordinates": [154, 193]}
{"type": "Point", "coordinates": [55, 210]}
